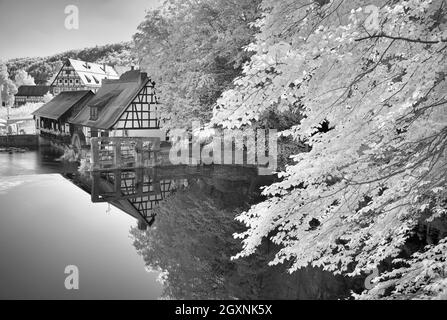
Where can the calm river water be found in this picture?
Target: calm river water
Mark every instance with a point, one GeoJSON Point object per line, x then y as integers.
{"type": "Point", "coordinates": [47, 223]}
{"type": "Point", "coordinates": [50, 219]}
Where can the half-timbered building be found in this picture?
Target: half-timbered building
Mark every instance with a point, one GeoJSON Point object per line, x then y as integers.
{"type": "Point", "coordinates": [30, 94]}
{"type": "Point", "coordinates": [125, 107]}
{"type": "Point", "coordinates": [80, 75]}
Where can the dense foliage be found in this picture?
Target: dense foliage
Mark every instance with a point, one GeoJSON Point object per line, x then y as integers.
{"type": "Point", "coordinates": [374, 73]}
{"type": "Point", "coordinates": [22, 78]}
{"type": "Point", "coordinates": [194, 50]}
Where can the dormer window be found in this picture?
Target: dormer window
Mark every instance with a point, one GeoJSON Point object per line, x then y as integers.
{"type": "Point", "coordinates": [96, 80]}
{"type": "Point", "coordinates": [88, 79]}
{"type": "Point", "coordinates": [93, 113]}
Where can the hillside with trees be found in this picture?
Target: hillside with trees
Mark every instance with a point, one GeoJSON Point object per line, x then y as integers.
{"type": "Point", "coordinates": [42, 69]}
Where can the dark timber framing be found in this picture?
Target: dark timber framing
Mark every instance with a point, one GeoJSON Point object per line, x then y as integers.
{"type": "Point", "coordinates": [142, 113]}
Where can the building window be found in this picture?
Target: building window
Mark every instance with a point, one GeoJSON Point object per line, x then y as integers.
{"type": "Point", "coordinates": [77, 81]}
{"type": "Point", "coordinates": [71, 81]}
{"type": "Point", "coordinates": [93, 133]}
{"type": "Point", "coordinates": [61, 81]}
{"type": "Point", "coordinates": [93, 113]}
{"type": "Point", "coordinates": [65, 81]}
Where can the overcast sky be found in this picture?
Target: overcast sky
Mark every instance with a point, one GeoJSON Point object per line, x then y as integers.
{"type": "Point", "coordinates": [31, 28]}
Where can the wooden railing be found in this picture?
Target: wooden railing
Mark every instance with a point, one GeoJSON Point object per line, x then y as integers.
{"type": "Point", "coordinates": [111, 153]}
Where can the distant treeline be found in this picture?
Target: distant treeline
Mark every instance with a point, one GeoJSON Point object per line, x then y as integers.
{"type": "Point", "coordinates": [42, 69]}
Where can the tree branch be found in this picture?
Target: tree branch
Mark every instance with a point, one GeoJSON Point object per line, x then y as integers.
{"type": "Point", "coordinates": [383, 35]}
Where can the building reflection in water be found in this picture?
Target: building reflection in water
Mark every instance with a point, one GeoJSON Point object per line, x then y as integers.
{"type": "Point", "coordinates": [136, 192]}
{"type": "Point", "coordinates": [186, 221]}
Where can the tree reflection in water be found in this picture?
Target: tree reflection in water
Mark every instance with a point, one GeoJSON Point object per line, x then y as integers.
{"type": "Point", "coordinates": [191, 243]}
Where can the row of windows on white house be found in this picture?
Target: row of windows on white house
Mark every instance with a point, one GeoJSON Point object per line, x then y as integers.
{"type": "Point", "coordinates": [90, 79]}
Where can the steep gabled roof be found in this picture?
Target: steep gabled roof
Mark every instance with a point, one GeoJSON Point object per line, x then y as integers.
{"type": "Point", "coordinates": [91, 73]}
{"type": "Point", "coordinates": [112, 99]}
{"type": "Point", "coordinates": [33, 91]}
{"type": "Point", "coordinates": [62, 103]}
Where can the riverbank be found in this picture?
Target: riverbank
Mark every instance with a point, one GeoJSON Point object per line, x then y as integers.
{"type": "Point", "coordinates": [30, 141]}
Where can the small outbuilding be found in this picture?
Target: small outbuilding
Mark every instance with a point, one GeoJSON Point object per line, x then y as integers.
{"type": "Point", "coordinates": [52, 118]}
{"type": "Point", "coordinates": [30, 94]}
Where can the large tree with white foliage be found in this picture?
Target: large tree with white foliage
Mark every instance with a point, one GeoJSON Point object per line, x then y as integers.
{"type": "Point", "coordinates": [7, 87]}
{"type": "Point", "coordinates": [375, 72]}
{"type": "Point", "coordinates": [22, 78]}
